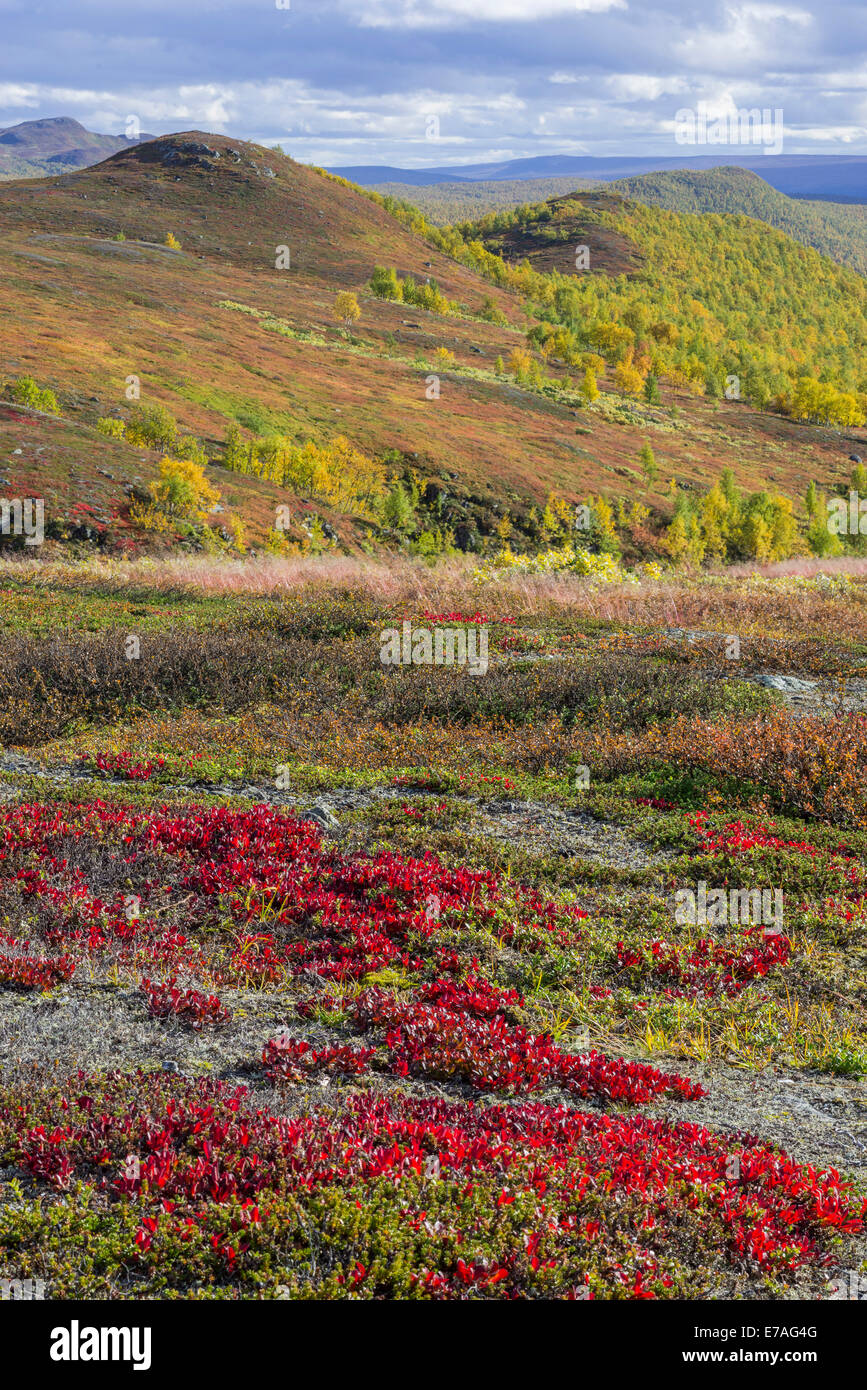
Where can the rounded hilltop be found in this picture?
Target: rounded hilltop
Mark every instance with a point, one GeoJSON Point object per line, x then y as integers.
{"type": "Point", "coordinates": [232, 200]}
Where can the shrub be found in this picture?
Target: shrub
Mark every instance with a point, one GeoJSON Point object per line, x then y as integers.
{"type": "Point", "coordinates": [427, 296]}
{"type": "Point", "coordinates": [589, 388]}
{"type": "Point", "coordinates": [49, 685]}
{"type": "Point", "coordinates": [111, 428]}
{"type": "Point", "coordinates": [648, 464]}
{"type": "Point", "coordinates": [520, 363]}
{"type": "Point", "coordinates": [20, 971]}
{"type": "Point", "coordinates": [191, 450]}
{"type": "Point", "coordinates": [315, 616]}
{"type": "Point", "coordinates": [398, 509]}
{"type": "Point", "coordinates": [190, 1006]}
{"type": "Point", "coordinates": [149, 517]}
{"type": "Point", "coordinates": [152, 427]}
{"type": "Point", "coordinates": [812, 765]}
{"type": "Point", "coordinates": [237, 534]}
{"type": "Point", "coordinates": [338, 472]}
{"type": "Point", "coordinates": [628, 378]}
{"type": "Point", "coordinates": [385, 284]}
{"type": "Point", "coordinates": [25, 391]}
{"type": "Point", "coordinates": [491, 314]}
{"type": "Point", "coordinates": [346, 309]}
{"type": "Point", "coordinates": [651, 391]}
{"type": "Point", "coordinates": [183, 491]}
{"type": "Point", "coordinates": [411, 1197]}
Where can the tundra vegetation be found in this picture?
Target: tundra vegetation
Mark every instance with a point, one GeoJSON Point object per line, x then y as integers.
{"type": "Point", "coordinates": [323, 976]}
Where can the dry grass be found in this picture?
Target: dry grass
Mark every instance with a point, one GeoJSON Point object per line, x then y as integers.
{"type": "Point", "coordinates": [804, 566]}
{"type": "Point", "coordinates": [755, 601]}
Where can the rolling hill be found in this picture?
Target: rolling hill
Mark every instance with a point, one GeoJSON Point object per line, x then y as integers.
{"type": "Point", "coordinates": [212, 330]}
{"type": "Point", "coordinates": [703, 295]}
{"type": "Point", "coordinates": [837, 230]}
{"type": "Point", "coordinates": [229, 202]}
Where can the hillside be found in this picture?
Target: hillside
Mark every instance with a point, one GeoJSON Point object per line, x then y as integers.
{"type": "Point", "coordinates": [231, 202]}
{"type": "Point", "coordinates": [837, 230]}
{"type": "Point", "coordinates": [214, 332]}
{"type": "Point", "coordinates": [33, 149]}
{"type": "Point", "coordinates": [701, 297]}
{"type": "Point", "coordinates": [545, 237]}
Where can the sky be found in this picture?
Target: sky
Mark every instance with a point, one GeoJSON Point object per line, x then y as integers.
{"type": "Point", "coordinates": [419, 83]}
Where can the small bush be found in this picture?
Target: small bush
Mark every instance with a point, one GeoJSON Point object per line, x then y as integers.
{"type": "Point", "coordinates": [152, 427]}
{"type": "Point", "coordinates": [112, 429]}
{"type": "Point", "coordinates": [24, 391]}
{"type": "Point", "coordinates": [183, 491]}
{"type": "Point", "coordinates": [189, 1006]}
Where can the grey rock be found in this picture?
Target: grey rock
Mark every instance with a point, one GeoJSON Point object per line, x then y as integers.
{"type": "Point", "coordinates": [789, 685]}
{"type": "Point", "coordinates": [321, 815]}
{"type": "Point", "coordinates": [688, 634]}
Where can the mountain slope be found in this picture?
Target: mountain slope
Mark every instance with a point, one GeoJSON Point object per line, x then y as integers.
{"type": "Point", "coordinates": [235, 202]}
{"type": "Point", "coordinates": [216, 333]}
{"type": "Point", "coordinates": [546, 236]}
{"type": "Point", "coordinates": [835, 229]}
{"type": "Point", "coordinates": [704, 298]}
{"type": "Point", "coordinates": [33, 149]}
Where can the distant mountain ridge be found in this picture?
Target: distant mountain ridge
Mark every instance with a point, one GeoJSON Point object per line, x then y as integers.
{"type": "Point", "coordinates": [56, 145]}
{"type": "Point", "coordinates": [840, 178]}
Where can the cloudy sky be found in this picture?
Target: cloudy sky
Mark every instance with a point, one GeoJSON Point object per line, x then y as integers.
{"type": "Point", "coordinates": [342, 82]}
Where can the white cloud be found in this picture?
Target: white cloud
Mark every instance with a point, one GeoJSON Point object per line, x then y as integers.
{"type": "Point", "coordinates": [831, 135]}
{"type": "Point", "coordinates": [750, 33]}
{"type": "Point", "coordinates": [636, 86]}
{"type": "Point", "coordinates": [444, 14]}
{"type": "Point", "coordinates": [18, 96]}
{"type": "Point", "coordinates": [522, 76]}
{"type": "Point", "coordinates": [768, 14]}
{"type": "Point", "coordinates": [843, 79]}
